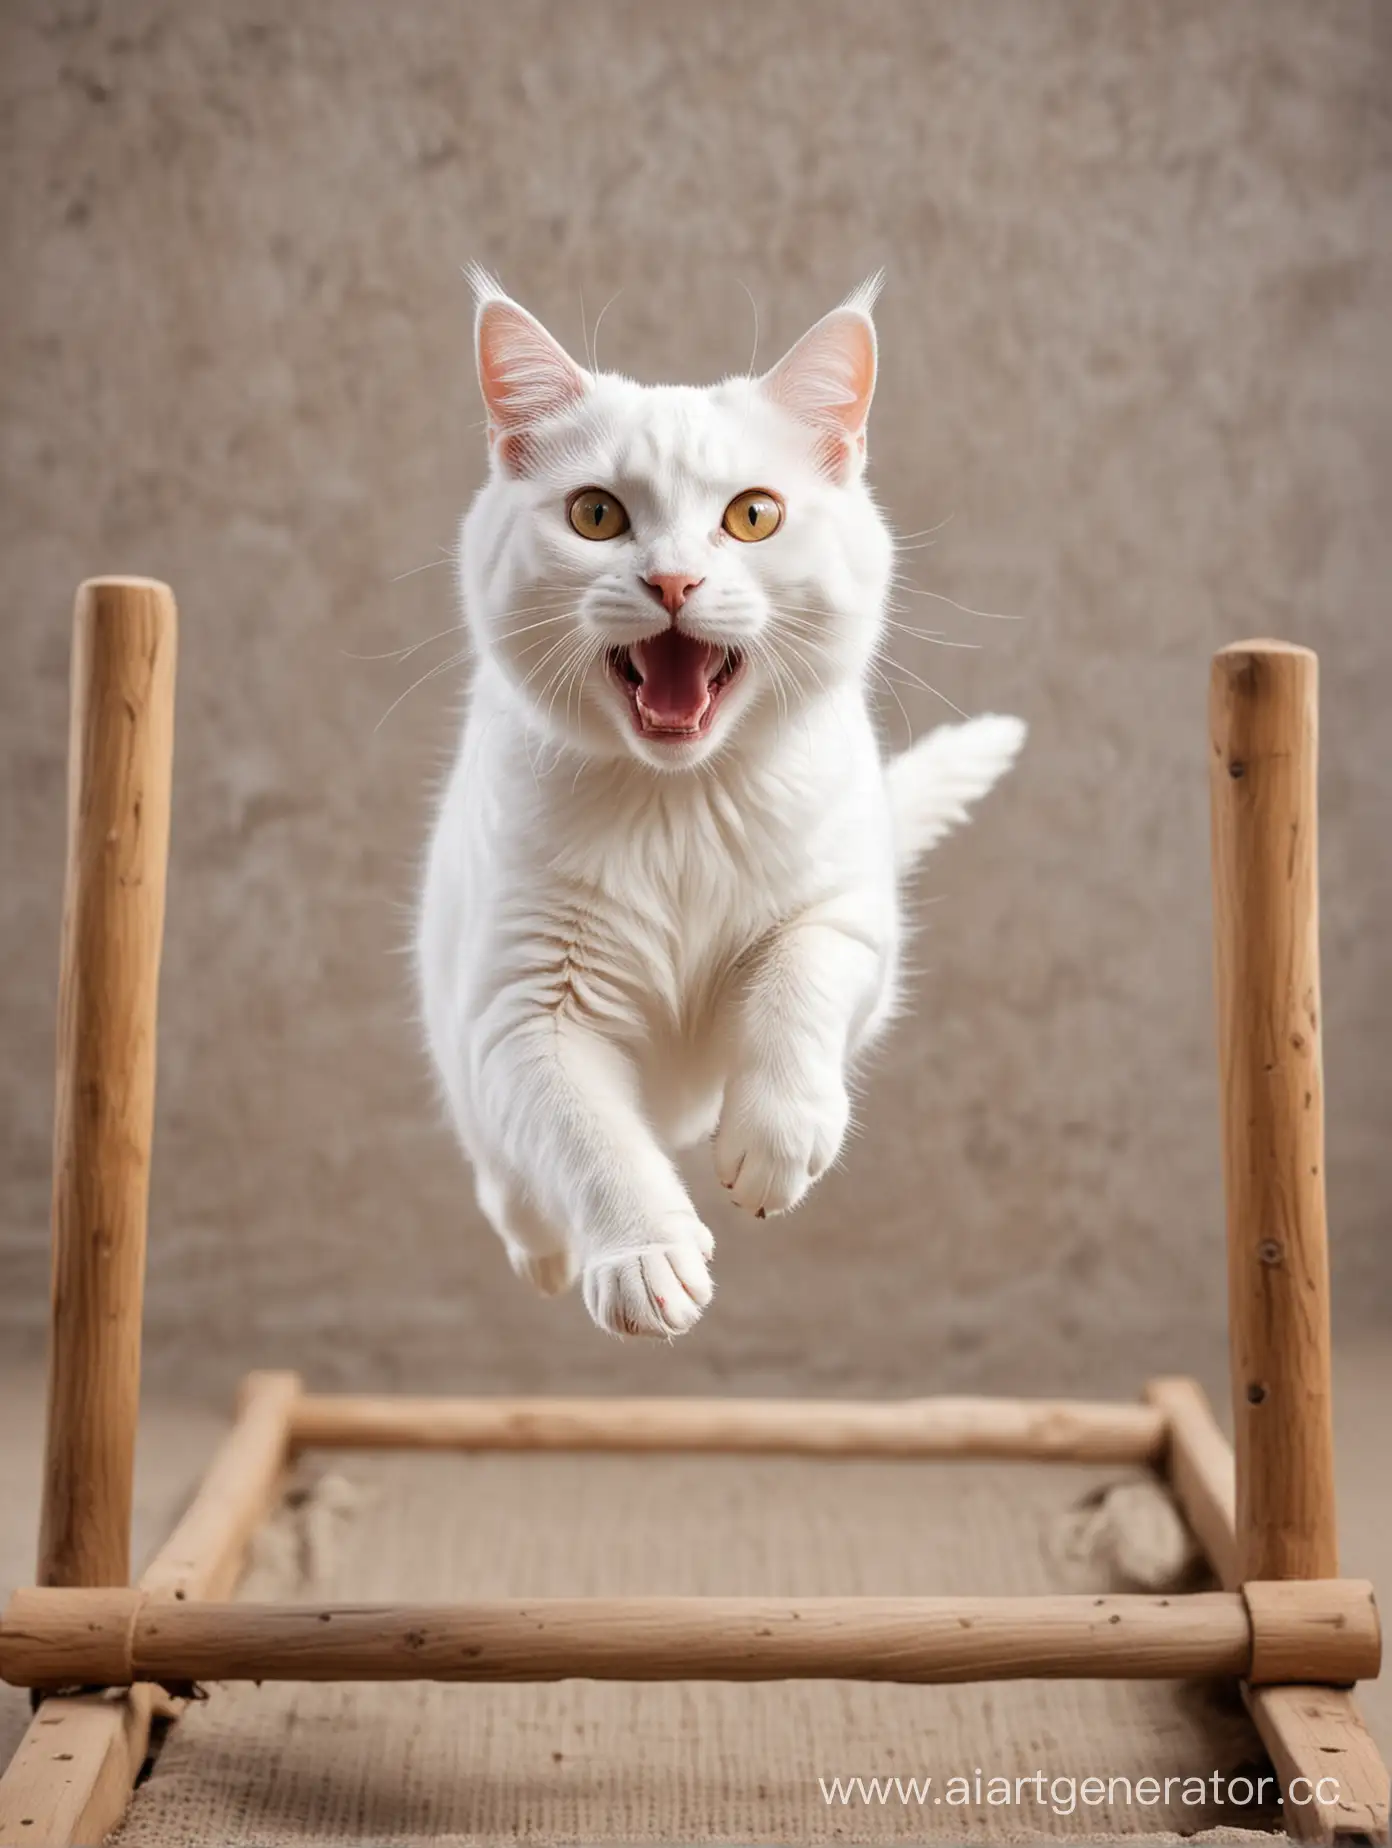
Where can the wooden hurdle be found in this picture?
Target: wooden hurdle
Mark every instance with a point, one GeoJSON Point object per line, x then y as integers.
{"type": "Point", "coordinates": [106, 1656]}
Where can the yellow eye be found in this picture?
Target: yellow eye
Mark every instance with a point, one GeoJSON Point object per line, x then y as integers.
{"type": "Point", "coordinates": [597, 515]}
{"type": "Point", "coordinates": [755, 514]}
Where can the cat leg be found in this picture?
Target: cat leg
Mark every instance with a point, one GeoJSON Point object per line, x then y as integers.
{"type": "Point", "coordinates": [562, 1108]}
{"type": "Point", "coordinates": [535, 1249]}
{"type": "Point", "coordinates": [798, 1012]}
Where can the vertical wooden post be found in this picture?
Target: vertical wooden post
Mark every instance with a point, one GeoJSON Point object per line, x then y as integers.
{"type": "Point", "coordinates": [1263, 761]}
{"type": "Point", "coordinates": [120, 751]}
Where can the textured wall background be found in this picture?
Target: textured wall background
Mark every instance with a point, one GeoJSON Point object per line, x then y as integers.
{"type": "Point", "coordinates": [1135, 346]}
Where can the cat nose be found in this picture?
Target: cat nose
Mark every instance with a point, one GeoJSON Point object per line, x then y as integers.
{"type": "Point", "coordinates": [672, 588]}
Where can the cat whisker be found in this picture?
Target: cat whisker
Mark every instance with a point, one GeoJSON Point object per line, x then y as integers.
{"type": "Point", "coordinates": [450, 557]}
{"type": "Point", "coordinates": [792, 611]}
{"type": "Point", "coordinates": [574, 661]}
{"type": "Point", "coordinates": [599, 321]}
{"type": "Point", "coordinates": [403, 654]}
{"type": "Point", "coordinates": [566, 648]}
{"type": "Point", "coordinates": [440, 667]}
{"type": "Point", "coordinates": [754, 306]}
{"type": "Point", "coordinates": [767, 658]}
{"type": "Point", "coordinates": [893, 692]}
{"type": "Point", "coordinates": [811, 641]}
{"type": "Point", "coordinates": [917, 681]}
{"type": "Point", "coordinates": [526, 628]}
{"type": "Point", "coordinates": [455, 628]}
{"type": "Point", "coordinates": [927, 635]}
{"type": "Point", "coordinates": [575, 667]}
{"type": "Point", "coordinates": [555, 649]}
{"type": "Point", "coordinates": [927, 532]}
{"type": "Point", "coordinates": [938, 596]}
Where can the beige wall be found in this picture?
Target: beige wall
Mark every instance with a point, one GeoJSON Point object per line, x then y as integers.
{"type": "Point", "coordinates": [1135, 344]}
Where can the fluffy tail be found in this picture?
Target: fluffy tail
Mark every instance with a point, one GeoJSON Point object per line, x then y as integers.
{"type": "Point", "coordinates": [933, 784]}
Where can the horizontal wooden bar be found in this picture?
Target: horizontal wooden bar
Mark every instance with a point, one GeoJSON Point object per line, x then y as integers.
{"type": "Point", "coordinates": [71, 1777]}
{"type": "Point", "coordinates": [1323, 1630]}
{"type": "Point", "coordinates": [1065, 1430]}
{"type": "Point", "coordinates": [632, 1639]}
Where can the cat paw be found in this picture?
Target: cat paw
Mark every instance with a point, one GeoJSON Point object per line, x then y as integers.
{"type": "Point", "coordinates": [768, 1151]}
{"type": "Point", "coordinates": [659, 1290]}
{"type": "Point", "coordinates": [550, 1272]}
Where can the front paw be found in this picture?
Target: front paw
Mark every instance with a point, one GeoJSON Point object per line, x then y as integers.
{"type": "Point", "coordinates": [770, 1148]}
{"type": "Point", "coordinates": [657, 1289]}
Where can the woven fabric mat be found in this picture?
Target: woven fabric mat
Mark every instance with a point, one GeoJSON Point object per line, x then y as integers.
{"type": "Point", "coordinates": [606, 1762]}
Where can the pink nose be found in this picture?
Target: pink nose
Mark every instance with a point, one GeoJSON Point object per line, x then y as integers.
{"type": "Point", "coordinates": [672, 588]}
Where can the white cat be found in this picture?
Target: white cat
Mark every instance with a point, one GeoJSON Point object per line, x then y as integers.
{"type": "Point", "coordinates": [662, 896]}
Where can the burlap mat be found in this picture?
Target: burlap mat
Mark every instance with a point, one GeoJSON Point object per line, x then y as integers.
{"type": "Point", "coordinates": [588, 1762]}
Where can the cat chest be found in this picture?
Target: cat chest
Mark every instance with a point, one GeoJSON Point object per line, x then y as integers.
{"type": "Point", "coordinates": [657, 954]}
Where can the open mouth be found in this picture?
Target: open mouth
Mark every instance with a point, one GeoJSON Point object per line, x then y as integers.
{"type": "Point", "coordinates": [674, 683]}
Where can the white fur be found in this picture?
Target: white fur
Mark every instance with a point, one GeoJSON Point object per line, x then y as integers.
{"type": "Point", "coordinates": [625, 946]}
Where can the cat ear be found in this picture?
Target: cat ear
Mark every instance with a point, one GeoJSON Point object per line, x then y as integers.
{"type": "Point", "coordinates": [828, 379]}
{"type": "Point", "coordinates": [524, 374]}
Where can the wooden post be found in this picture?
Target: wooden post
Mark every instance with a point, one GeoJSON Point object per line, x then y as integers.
{"type": "Point", "coordinates": [1305, 1729]}
{"type": "Point", "coordinates": [72, 1774]}
{"type": "Point", "coordinates": [1262, 765]}
{"type": "Point", "coordinates": [119, 762]}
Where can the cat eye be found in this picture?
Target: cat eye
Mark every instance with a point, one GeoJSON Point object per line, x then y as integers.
{"type": "Point", "coordinates": [755, 514]}
{"type": "Point", "coordinates": [596, 515]}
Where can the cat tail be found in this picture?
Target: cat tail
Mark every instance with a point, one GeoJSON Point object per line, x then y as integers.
{"type": "Point", "coordinates": [933, 784]}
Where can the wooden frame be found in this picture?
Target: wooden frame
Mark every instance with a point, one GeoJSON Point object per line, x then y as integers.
{"type": "Point", "coordinates": [109, 1658]}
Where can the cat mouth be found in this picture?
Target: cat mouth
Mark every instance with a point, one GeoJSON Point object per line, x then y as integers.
{"type": "Point", "coordinates": [674, 683]}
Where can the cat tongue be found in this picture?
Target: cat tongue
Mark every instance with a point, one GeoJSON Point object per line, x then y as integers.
{"type": "Point", "coordinates": [677, 671]}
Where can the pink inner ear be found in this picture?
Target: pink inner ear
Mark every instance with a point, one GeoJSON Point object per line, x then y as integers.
{"type": "Point", "coordinates": [524, 374]}
{"type": "Point", "coordinates": [828, 379]}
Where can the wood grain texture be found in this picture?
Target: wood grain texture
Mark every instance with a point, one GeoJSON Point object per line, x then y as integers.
{"type": "Point", "coordinates": [1076, 1430]}
{"type": "Point", "coordinates": [71, 1777]}
{"type": "Point", "coordinates": [65, 1637]}
{"type": "Point", "coordinates": [1311, 1733]}
{"type": "Point", "coordinates": [920, 1640]}
{"type": "Point", "coordinates": [1262, 778]}
{"type": "Point", "coordinates": [1332, 1774]}
{"type": "Point", "coordinates": [289, 1762]}
{"type": "Point", "coordinates": [1313, 1630]}
{"type": "Point", "coordinates": [68, 1784]}
{"type": "Point", "coordinates": [119, 767]}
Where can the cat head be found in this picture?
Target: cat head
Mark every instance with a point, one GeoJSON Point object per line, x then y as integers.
{"type": "Point", "coordinates": [662, 570]}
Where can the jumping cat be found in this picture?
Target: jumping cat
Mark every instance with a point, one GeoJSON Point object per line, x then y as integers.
{"type": "Point", "coordinates": [662, 898]}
